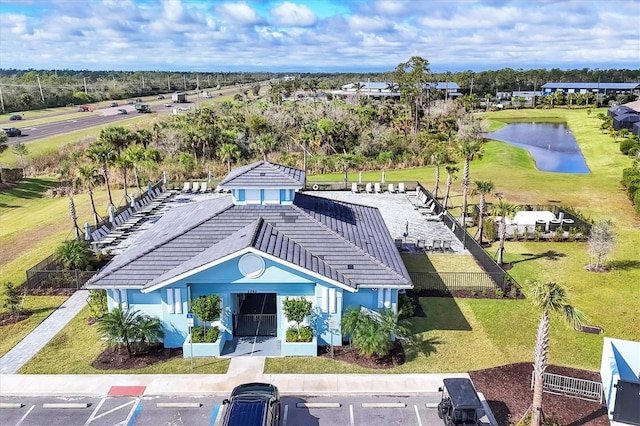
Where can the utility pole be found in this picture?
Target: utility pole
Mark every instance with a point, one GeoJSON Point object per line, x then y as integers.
{"type": "Point", "coordinates": [1, 99]}
{"type": "Point", "coordinates": [169, 83]}
{"type": "Point", "coordinates": [40, 86]}
{"type": "Point", "coordinates": [84, 79]}
{"type": "Point", "coordinates": [142, 77]}
{"type": "Point", "coordinates": [184, 80]}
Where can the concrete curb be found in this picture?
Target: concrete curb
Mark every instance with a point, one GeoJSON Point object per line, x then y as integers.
{"type": "Point", "coordinates": [65, 405]}
{"type": "Point", "coordinates": [6, 405]}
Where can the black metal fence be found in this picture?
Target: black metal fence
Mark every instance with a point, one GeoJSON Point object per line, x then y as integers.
{"type": "Point", "coordinates": [50, 279]}
{"type": "Point", "coordinates": [446, 282]}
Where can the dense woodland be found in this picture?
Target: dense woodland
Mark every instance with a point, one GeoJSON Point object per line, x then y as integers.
{"type": "Point", "coordinates": [35, 89]}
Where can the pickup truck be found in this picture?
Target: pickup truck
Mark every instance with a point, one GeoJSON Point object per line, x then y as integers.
{"type": "Point", "coordinates": [143, 108]}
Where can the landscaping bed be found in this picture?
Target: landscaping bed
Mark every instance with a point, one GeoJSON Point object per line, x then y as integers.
{"type": "Point", "coordinates": [118, 359]}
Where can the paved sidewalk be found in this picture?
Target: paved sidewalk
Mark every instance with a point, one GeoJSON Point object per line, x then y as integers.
{"type": "Point", "coordinates": [241, 370]}
{"type": "Point", "coordinates": [21, 353]}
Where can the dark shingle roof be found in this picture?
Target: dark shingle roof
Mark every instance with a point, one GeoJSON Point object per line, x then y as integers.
{"type": "Point", "coordinates": [592, 86]}
{"type": "Point", "coordinates": [343, 242]}
{"type": "Point", "coordinates": [264, 175]}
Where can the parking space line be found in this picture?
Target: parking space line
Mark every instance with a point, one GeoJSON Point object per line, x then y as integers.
{"type": "Point", "coordinates": [25, 415]}
{"type": "Point", "coordinates": [214, 415]}
{"type": "Point", "coordinates": [418, 415]}
{"type": "Point", "coordinates": [286, 415]}
{"type": "Point", "coordinates": [384, 405]}
{"type": "Point", "coordinates": [351, 419]}
{"type": "Point", "coordinates": [135, 410]}
{"type": "Point", "coordinates": [95, 411]}
{"type": "Point", "coordinates": [110, 411]}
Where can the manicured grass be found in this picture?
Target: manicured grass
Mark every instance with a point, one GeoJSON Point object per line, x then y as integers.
{"type": "Point", "coordinates": [74, 349]}
{"type": "Point", "coordinates": [41, 307]}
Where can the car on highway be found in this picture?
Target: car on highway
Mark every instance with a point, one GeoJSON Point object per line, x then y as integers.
{"type": "Point", "coordinates": [129, 101]}
{"type": "Point", "coordinates": [168, 105]}
{"type": "Point", "coordinates": [12, 131]}
{"type": "Point", "coordinates": [252, 404]}
{"type": "Point", "coordinates": [160, 96]}
{"type": "Point", "coordinates": [15, 117]}
{"type": "Point", "coordinates": [122, 111]}
{"type": "Point", "coordinates": [184, 109]}
{"type": "Point", "coordinates": [113, 104]}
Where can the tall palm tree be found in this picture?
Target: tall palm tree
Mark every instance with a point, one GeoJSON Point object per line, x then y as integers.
{"type": "Point", "coordinates": [438, 157]}
{"type": "Point", "coordinates": [264, 144]}
{"type": "Point", "coordinates": [469, 150]}
{"type": "Point", "coordinates": [88, 177]}
{"type": "Point", "coordinates": [116, 136]}
{"type": "Point", "coordinates": [144, 137]}
{"type": "Point", "coordinates": [451, 171]}
{"type": "Point", "coordinates": [124, 164]}
{"type": "Point", "coordinates": [551, 298]}
{"type": "Point", "coordinates": [501, 211]}
{"type": "Point", "coordinates": [103, 154]}
{"type": "Point", "coordinates": [482, 187]}
{"type": "Point", "coordinates": [228, 152]}
{"type": "Point", "coordinates": [135, 155]}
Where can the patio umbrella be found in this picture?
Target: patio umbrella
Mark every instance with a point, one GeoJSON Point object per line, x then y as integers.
{"type": "Point", "coordinates": [112, 214]}
{"type": "Point", "coordinates": [164, 177]}
{"type": "Point", "coordinates": [360, 177]}
{"type": "Point", "coordinates": [210, 177]}
{"type": "Point", "coordinates": [406, 230]}
{"type": "Point", "coordinates": [87, 231]}
{"type": "Point", "coordinates": [149, 187]}
{"type": "Point", "coordinates": [133, 201]}
{"type": "Point", "coordinates": [382, 177]}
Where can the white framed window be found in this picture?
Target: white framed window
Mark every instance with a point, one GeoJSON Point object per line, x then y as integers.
{"type": "Point", "coordinates": [170, 304]}
{"type": "Point", "coordinates": [120, 298]}
{"type": "Point", "coordinates": [332, 300]}
{"type": "Point", "coordinates": [325, 299]}
{"type": "Point", "coordinates": [178, 300]}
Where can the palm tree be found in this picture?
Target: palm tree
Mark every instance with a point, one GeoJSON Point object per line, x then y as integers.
{"type": "Point", "coordinates": [501, 211]}
{"type": "Point", "coordinates": [122, 327]}
{"type": "Point", "coordinates": [469, 150]}
{"type": "Point", "coordinates": [451, 171]}
{"type": "Point", "coordinates": [124, 164]}
{"type": "Point", "coordinates": [116, 136]}
{"type": "Point", "coordinates": [264, 143]}
{"type": "Point", "coordinates": [135, 155]}
{"type": "Point", "coordinates": [438, 157]}
{"type": "Point", "coordinates": [373, 332]}
{"type": "Point", "coordinates": [74, 254]}
{"type": "Point", "coordinates": [483, 188]}
{"type": "Point", "coordinates": [144, 137]}
{"type": "Point", "coordinates": [227, 152]}
{"type": "Point", "coordinates": [88, 177]}
{"type": "Point", "coordinates": [103, 154]}
{"type": "Point", "coordinates": [551, 298]}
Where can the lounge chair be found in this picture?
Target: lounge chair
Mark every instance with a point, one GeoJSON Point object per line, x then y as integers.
{"type": "Point", "coordinates": [391, 188]}
{"type": "Point", "coordinates": [195, 187]}
{"type": "Point", "coordinates": [186, 187]}
{"type": "Point", "coordinates": [398, 242]}
{"type": "Point", "coordinates": [420, 245]}
{"type": "Point", "coordinates": [401, 188]}
{"type": "Point", "coordinates": [368, 188]}
{"type": "Point", "coordinates": [436, 245]}
{"type": "Point", "coordinates": [428, 210]}
{"type": "Point", "coordinates": [377, 188]}
{"type": "Point", "coordinates": [354, 187]}
{"type": "Point", "coordinates": [203, 187]}
{"type": "Point", "coordinates": [437, 217]}
{"type": "Point", "coordinates": [446, 246]}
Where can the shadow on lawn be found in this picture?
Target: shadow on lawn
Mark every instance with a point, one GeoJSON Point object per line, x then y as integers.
{"type": "Point", "coordinates": [549, 255]}
{"type": "Point", "coordinates": [624, 265]}
{"type": "Point", "coordinates": [31, 188]}
{"type": "Point", "coordinates": [442, 313]}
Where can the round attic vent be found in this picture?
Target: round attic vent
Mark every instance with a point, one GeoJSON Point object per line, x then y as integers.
{"type": "Point", "coordinates": [251, 265]}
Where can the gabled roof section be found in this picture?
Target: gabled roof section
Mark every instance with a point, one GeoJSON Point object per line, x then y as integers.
{"type": "Point", "coordinates": [264, 175]}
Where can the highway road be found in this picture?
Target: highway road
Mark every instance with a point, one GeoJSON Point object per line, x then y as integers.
{"type": "Point", "coordinates": [101, 117]}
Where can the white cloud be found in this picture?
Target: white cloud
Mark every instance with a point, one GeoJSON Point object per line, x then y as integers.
{"type": "Point", "coordinates": [293, 15]}
{"type": "Point", "coordinates": [239, 13]}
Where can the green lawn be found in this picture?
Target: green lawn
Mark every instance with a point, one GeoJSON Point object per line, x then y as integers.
{"type": "Point", "coordinates": [457, 334]}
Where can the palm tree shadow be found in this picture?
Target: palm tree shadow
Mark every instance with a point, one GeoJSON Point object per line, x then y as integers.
{"type": "Point", "coordinates": [624, 265]}
{"type": "Point", "coordinates": [549, 255]}
{"type": "Point", "coordinates": [425, 347]}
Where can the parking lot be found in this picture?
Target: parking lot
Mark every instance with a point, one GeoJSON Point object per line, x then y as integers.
{"type": "Point", "coordinates": [207, 410]}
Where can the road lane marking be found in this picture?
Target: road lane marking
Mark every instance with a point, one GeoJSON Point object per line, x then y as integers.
{"type": "Point", "coordinates": [318, 405]}
{"type": "Point", "coordinates": [25, 415]}
{"type": "Point", "coordinates": [418, 415]}
{"type": "Point", "coordinates": [110, 411]}
{"type": "Point", "coordinates": [351, 419]}
{"type": "Point", "coordinates": [286, 415]}
{"type": "Point", "coordinates": [383, 405]}
{"type": "Point", "coordinates": [135, 410]}
{"type": "Point", "coordinates": [214, 415]}
{"type": "Point", "coordinates": [92, 416]}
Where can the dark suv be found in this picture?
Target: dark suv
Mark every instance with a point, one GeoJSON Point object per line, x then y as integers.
{"type": "Point", "coordinates": [12, 131]}
{"type": "Point", "coordinates": [460, 404]}
{"type": "Point", "coordinates": [252, 404]}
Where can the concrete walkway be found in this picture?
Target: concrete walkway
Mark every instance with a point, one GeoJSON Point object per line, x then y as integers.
{"type": "Point", "coordinates": [18, 356]}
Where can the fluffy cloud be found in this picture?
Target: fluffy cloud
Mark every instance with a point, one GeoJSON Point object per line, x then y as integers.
{"type": "Point", "coordinates": [293, 15]}
{"type": "Point", "coordinates": [368, 35]}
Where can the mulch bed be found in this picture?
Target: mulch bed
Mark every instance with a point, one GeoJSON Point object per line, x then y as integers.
{"type": "Point", "coordinates": [7, 318]}
{"type": "Point", "coordinates": [467, 294]}
{"type": "Point", "coordinates": [395, 357]}
{"type": "Point", "coordinates": [118, 359]}
{"type": "Point", "coordinates": [508, 391]}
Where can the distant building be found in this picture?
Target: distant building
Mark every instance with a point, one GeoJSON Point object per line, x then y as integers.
{"type": "Point", "coordinates": [602, 88]}
{"type": "Point", "coordinates": [389, 89]}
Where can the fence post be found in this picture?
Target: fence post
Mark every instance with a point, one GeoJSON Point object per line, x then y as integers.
{"type": "Point", "coordinates": [77, 281]}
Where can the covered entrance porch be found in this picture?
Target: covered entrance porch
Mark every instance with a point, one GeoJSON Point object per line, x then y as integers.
{"type": "Point", "coordinates": [254, 326]}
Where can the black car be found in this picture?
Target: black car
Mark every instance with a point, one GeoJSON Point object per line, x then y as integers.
{"type": "Point", "coordinates": [12, 131]}
{"type": "Point", "coordinates": [252, 404]}
{"type": "Point", "coordinates": [113, 104]}
{"type": "Point", "coordinates": [15, 117]}
{"type": "Point", "coordinates": [160, 96]}
{"type": "Point", "coordinates": [122, 111]}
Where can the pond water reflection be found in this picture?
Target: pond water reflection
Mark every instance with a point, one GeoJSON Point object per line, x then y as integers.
{"type": "Point", "coordinates": [552, 145]}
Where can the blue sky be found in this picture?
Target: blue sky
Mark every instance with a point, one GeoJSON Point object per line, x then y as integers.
{"type": "Point", "coordinates": [318, 35]}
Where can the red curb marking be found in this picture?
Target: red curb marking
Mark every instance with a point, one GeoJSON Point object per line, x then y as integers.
{"type": "Point", "coordinates": [126, 390]}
